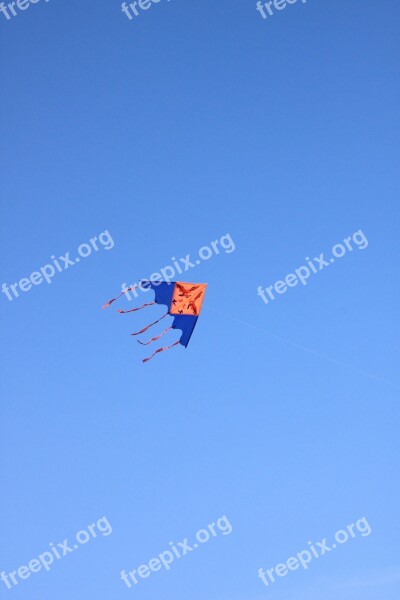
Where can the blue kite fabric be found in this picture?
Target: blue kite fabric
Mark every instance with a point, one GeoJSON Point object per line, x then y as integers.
{"type": "Point", "coordinates": [184, 302]}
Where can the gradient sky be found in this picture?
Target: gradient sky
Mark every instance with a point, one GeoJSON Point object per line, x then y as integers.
{"type": "Point", "coordinates": [193, 121]}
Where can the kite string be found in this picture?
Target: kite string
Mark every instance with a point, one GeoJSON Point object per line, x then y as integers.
{"type": "Point", "coordinates": [309, 350]}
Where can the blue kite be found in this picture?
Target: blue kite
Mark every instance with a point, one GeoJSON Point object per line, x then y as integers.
{"type": "Point", "coordinates": [184, 302]}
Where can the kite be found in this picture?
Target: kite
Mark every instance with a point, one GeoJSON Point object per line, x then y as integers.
{"type": "Point", "coordinates": [184, 302]}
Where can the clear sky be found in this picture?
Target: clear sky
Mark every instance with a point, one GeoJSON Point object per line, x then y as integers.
{"type": "Point", "coordinates": [193, 121]}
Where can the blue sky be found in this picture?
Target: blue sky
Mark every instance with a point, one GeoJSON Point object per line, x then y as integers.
{"type": "Point", "coordinates": [193, 121]}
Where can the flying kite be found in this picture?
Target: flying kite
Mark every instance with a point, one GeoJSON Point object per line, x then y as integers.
{"type": "Point", "coordinates": [184, 302]}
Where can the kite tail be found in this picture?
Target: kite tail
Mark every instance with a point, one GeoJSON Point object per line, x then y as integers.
{"type": "Point", "coordinates": [130, 289]}
{"type": "Point", "coordinates": [151, 325]}
{"type": "Point", "coordinates": [161, 350]}
{"type": "Point", "coordinates": [155, 338]}
{"type": "Point", "coordinates": [122, 312]}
